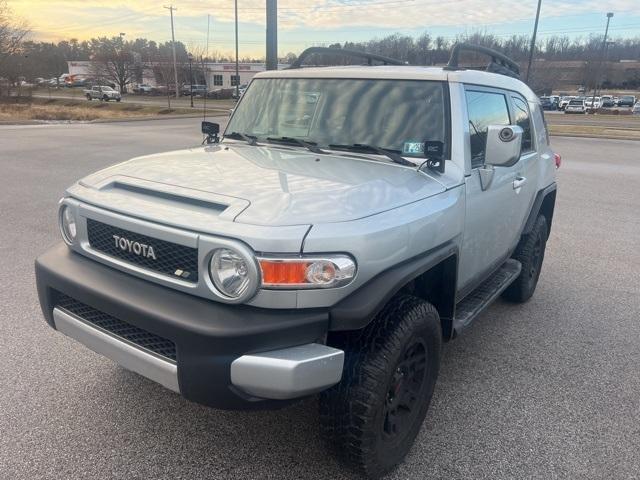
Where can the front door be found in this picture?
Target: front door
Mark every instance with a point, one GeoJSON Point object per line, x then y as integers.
{"type": "Point", "coordinates": [495, 204]}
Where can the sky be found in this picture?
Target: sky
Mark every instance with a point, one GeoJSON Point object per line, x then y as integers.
{"type": "Point", "coordinates": [318, 22]}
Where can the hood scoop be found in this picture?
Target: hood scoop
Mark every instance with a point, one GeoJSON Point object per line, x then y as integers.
{"type": "Point", "coordinates": [158, 201]}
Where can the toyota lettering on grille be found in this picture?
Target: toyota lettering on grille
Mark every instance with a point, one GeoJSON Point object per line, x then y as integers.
{"type": "Point", "coordinates": [136, 248]}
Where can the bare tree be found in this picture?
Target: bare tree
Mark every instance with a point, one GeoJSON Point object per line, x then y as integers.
{"type": "Point", "coordinates": [12, 33]}
{"type": "Point", "coordinates": [113, 59]}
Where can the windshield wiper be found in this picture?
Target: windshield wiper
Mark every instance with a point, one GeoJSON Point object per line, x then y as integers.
{"type": "Point", "coordinates": [250, 139]}
{"type": "Point", "coordinates": [360, 147]}
{"type": "Point", "coordinates": [311, 146]}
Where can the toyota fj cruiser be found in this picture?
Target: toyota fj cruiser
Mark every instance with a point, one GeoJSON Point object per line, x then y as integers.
{"type": "Point", "coordinates": [350, 220]}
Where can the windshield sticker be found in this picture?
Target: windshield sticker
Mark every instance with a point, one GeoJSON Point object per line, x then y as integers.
{"type": "Point", "coordinates": [413, 148]}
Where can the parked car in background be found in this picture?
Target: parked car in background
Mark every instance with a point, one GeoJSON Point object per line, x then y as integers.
{"type": "Point", "coordinates": [103, 93]}
{"type": "Point", "coordinates": [627, 101]}
{"type": "Point", "coordinates": [196, 90]}
{"type": "Point", "coordinates": [576, 106]}
{"type": "Point", "coordinates": [592, 103]}
{"type": "Point", "coordinates": [143, 89]}
{"type": "Point", "coordinates": [606, 101]}
{"type": "Point", "coordinates": [240, 91]}
{"type": "Point", "coordinates": [548, 103]}
{"type": "Point", "coordinates": [564, 101]}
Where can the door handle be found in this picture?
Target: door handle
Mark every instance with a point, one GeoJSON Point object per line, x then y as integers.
{"type": "Point", "coordinates": [519, 182]}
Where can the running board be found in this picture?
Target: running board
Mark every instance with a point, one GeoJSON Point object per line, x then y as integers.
{"type": "Point", "coordinates": [474, 304]}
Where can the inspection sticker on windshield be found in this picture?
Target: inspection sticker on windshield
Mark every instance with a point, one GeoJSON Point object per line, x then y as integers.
{"type": "Point", "coordinates": [413, 148]}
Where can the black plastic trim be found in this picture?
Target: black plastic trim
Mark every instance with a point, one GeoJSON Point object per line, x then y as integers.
{"type": "Point", "coordinates": [359, 308]}
{"type": "Point", "coordinates": [208, 335]}
{"type": "Point", "coordinates": [370, 57]}
{"type": "Point", "coordinates": [535, 208]}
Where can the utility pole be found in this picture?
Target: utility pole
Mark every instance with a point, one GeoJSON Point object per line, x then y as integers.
{"type": "Point", "coordinates": [272, 35]}
{"type": "Point", "coordinates": [171, 8]}
{"type": "Point", "coordinates": [598, 71]}
{"type": "Point", "coordinates": [191, 80]}
{"type": "Point", "coordinates": [532, 48]}
{"type": "Point", "coordinates": [237, 65]}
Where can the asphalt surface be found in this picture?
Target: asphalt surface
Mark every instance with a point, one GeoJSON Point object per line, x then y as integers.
{"type": "Point", "coordinates": [545, 390]}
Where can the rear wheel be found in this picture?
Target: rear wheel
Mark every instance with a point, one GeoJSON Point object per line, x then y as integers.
{"type": "Point", "coordinates": [105, 98]}
{"type": "Point", "coordinates": [530, 253]}
{"type": "Point", "coordinates": [373, 415]}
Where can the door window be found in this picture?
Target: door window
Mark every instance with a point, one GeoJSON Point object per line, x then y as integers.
{"type": "Point", "coordinates": [523, 120]}
{"type": "Point", "coordinates": [485, 108]}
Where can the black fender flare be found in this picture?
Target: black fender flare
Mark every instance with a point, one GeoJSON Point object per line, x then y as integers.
{"type": "Point", "coordinates": [547, 192]}
{"type": "Point", "coordinates": [358, 309]}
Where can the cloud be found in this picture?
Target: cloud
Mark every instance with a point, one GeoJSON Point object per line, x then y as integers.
{"type": "Point", "coordinates": [85, 18]}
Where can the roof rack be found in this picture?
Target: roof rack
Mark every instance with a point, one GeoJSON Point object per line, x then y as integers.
{"type": "Point", "coordinates": [499, 63]}
{"type": "Point", "coordinates": [370, 57]}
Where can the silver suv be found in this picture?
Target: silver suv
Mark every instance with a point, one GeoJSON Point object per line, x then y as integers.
{"type": "Point", "coordinates": [350, 221]}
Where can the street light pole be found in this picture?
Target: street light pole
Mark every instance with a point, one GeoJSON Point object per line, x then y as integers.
{"type": "Point", "coordinates": [598, 71]}
{"type": "Point", "coordinates": [190, 78]}
{"type": "Point", "coordinates": [237, 65]}
{"type": "Point", "coordinates": [171, 8]}
{"type": "Point", "coordinates": [532, 48]}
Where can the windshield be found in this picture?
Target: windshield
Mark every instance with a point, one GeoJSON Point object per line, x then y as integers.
{"type": "Point", "coordinates": [576, 102]}
{"type": "Point", "coordinates": [107, 89]}
{"type": "Point", "coordinates": [398, 115]}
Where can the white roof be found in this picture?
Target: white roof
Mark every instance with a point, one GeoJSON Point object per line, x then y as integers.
{"type": "Point", "coordinates": [402, 72]}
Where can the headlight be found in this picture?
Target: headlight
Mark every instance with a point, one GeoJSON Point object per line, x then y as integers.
{"type": "Point", "coordinates": [233, 274]}
{"type": "Point", "coordinates": [68, 225]}
{"type": "Point", "coordinates": [307, 272]}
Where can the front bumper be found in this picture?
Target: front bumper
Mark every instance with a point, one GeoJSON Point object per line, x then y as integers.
{"type": "Point", "coordinates": [226, 356]}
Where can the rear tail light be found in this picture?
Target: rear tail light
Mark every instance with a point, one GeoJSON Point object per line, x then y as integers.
{"type": "Point", "coordinates": [558, 159]}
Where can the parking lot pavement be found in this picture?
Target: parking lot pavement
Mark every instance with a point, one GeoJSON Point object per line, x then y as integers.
{"type": "Point", "coordinates": [549, 389]}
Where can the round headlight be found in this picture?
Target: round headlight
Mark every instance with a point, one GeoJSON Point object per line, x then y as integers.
{"type": "Point", "coordinates": [68, 224]}
{"type": "Point", "coordinates": [233, 275]}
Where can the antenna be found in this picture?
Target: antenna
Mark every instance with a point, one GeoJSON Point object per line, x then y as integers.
{"type": "Point", "coordinates": [206, 56]}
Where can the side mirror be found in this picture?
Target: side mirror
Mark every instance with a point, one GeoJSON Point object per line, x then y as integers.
{"type": "Point", "coordinates": [503, 145]}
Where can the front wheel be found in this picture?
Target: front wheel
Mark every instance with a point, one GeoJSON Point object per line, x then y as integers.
{"type": "Point", "coordinates": [374, 414]}
{"type": "Point", "coordinates": [105, 98]}
{"type": "Point", "coordinates": [88, 97]}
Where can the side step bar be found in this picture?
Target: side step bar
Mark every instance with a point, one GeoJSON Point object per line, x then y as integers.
{"type": "Point", "coordinates": [475, 303]}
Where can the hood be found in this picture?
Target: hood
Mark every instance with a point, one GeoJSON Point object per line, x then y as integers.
{"type": "Point", "coordinates": [267, 185]}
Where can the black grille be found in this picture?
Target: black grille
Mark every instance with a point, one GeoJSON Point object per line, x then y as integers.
{"type": "Point", "coordinates": [143, 339]}
{"type": "Point", "coordinates": [171, 259]}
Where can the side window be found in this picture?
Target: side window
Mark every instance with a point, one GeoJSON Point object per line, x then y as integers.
{"type": "Point", "coordinates": [485, 108]}
{"type": "Point", "coordinates": [217, 80]}
{"type": "Point", "coordinates": [523, 121]}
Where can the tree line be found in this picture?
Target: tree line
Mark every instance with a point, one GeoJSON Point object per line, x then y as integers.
{"type": "Point", "coordinates": [121, 60]}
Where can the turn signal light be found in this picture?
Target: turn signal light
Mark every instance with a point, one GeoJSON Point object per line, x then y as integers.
{"type": "Point", "coordinates": [301, 272]}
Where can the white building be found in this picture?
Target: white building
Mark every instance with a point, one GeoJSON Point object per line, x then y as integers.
{"type": "Point", "coordinates": [217, 75]}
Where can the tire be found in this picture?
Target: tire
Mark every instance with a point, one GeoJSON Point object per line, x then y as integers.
{"type": "Point", "coordinates": [530, 253]}
{"type": "Point", "coordinates": [118, 100]}
{"type": "Point", "coordinates": [105, 98]}
{"type": "Point", "coordinates": [89, 97]}
{"type": "Point", "coordinates": [371, 418]}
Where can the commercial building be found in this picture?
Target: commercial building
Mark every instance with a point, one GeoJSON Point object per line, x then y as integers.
{"type": "Point", "coordinates": [217, 76]}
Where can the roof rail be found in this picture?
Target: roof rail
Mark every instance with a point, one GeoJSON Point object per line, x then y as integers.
{"type": "Point", "coordinates": [370, 57]}
{"type": "Point", "coordinates": [500, 63]}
